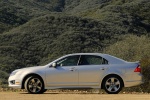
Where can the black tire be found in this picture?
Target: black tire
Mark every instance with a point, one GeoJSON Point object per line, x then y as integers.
{"type": "Point", "coordinates": [34, 85]}
{"type": "Point", "coordinates": [44, 90]}
{"type": "Point", "coordinates": [113, 84]}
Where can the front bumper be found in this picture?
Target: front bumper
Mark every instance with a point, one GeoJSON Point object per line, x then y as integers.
{"type": "Point", "coordinates": [14, 82]}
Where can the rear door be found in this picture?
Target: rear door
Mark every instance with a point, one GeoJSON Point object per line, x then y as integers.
{"type": "Point", "coordinates": [91, 68]}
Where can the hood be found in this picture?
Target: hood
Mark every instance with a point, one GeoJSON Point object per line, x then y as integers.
{"type": "Point", "coordinates": [28, 70]}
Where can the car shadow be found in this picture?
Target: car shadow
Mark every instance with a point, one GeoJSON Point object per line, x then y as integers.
{"type": "Point", "coordinates": [53, 93]}
{"type": "Point", "coordinates": [39, 94]}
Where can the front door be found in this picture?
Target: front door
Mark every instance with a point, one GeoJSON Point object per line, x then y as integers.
{"type": "Point", "coordinates": [65, 74]}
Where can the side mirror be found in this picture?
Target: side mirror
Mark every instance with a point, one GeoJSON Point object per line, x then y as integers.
{"type": "Point", "coordinates": [54, 65]}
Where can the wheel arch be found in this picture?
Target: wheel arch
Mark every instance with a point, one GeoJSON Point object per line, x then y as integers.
{"type": "Point", "coordinates": [109, 76]}
{"type": "Point", "coordinates": [29, 75]}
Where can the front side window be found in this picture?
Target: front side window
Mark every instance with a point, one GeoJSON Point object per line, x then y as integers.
{"type": "Point", "coordinates": [68, 61]}
{"type": "Point", "coordinates": [92, 60]}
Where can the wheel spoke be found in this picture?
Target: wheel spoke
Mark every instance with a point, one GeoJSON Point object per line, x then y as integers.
{"type": "Point", "coordinates": [115, 88]}
{"type": "Point", "coordinates": [112, 80]}
{"type": "Point", "coordinates": [107, 83]}
{"type": "Point", "coordinates": [34, 89]}
{"type": "Point", "coordinates": [117, 83]}
{"type": "Point", "coordinates": [109, 89]}
{"type": "Point", "coordinates": [30, 86]}
{"type": "Point", "coordinates": [33, 80]}
{"type": "Point", "coordinates": [39, 87]}
{"type": "Point", "coordinates": [38, 82]}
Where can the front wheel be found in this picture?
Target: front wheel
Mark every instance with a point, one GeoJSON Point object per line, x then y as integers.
{"type": "Point", "coordinates": [34, 85]}
{"type": "Point", "coordinates": [113, 85]}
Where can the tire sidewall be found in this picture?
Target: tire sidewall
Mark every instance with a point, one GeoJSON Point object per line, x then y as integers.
{"type": "Point", "coordinates": [27, 83]}
{"type": "Point", "coordinates": [121, 84]}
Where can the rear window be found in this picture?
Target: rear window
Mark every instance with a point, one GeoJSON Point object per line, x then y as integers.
{"type": "Point", "coordinates": [92, 60]}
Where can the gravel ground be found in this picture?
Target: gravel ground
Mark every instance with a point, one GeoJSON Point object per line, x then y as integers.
{"type": "Point", "coordinates": [71, 96]}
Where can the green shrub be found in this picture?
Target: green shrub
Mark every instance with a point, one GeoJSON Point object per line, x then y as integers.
{"type": "Point", "coordinates": [145, 65]}
{"type": "Point", "coordinates": [130, 48]}
{"type": "Point", "coordinates": [134, 48]}
{"type": "Point", "coordinates": [3, 78]}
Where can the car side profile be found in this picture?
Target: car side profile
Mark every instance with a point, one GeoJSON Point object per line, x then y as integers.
{"type": "Point", "coordinates": [77, 71]}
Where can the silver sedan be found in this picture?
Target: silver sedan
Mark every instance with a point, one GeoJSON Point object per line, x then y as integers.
{"type": "Point", "coordinates": [76, 71]}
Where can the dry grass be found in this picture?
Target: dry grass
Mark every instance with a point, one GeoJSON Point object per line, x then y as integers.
{"type": "Point", "coordinates": [70, 96]}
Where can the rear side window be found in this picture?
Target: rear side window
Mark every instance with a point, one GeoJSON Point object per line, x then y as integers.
{"type": "Point", "coordinates": [92, 60]}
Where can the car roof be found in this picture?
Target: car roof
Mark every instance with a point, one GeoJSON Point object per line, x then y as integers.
{"type": "Point", "coordinates": [86, 54]}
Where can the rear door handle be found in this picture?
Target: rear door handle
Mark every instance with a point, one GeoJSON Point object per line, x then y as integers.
{"type": "Point", "coordinates": [72, 69]}
{"type": "Point", "coordinates": [102, 68]}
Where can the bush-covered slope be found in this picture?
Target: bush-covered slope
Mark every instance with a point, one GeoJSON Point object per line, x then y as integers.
{"type": "Point", "coordinates": [17, 12]}
{"type": "Point", "coordinates": [10, 17]}
{"type": "Point", "coordinates": [51, 36]}
{"type": "Point", "coordinates": [3, 78]}
{"type": "Point", "coordinates": [127, 15]}
{"type": "Point", "coordinates": [130, 48]}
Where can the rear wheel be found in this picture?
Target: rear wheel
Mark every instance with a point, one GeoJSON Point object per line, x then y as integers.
{"type": "Point", "coordinates": [34, 85]}
{"type": "Point", "coordinates": [112, 85]}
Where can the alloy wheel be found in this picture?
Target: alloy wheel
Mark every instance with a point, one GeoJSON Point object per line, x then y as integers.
{"type": "Point", "coordinates": [113, 85]}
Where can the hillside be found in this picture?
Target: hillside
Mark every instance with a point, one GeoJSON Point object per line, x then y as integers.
{"type": "Point", "coordinates": [124, 14]}
{"type": "Point", "coordinates": [51, 36]}
{"type": "Point", "coordinates": [34, 32]}
{"type": "Point", "coordinates": [127, 15]}
{"type": "Point", "coordinates": [17, 12]}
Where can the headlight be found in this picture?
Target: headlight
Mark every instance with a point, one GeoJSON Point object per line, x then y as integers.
{"type": "Point", "coordinates": [14, 72]}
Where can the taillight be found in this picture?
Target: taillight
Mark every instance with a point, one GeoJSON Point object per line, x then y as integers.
{"type": "Point", "coordinates": [137, 69]}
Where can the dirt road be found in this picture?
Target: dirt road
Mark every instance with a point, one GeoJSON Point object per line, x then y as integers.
{"type": "Point", "coordinates": [69, 96]}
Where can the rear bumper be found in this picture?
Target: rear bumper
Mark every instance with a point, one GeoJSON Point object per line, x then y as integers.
{"type": "Point", "coordinates": [134, 80]}
{"type": "Point", "coordinates": [133, 83]}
